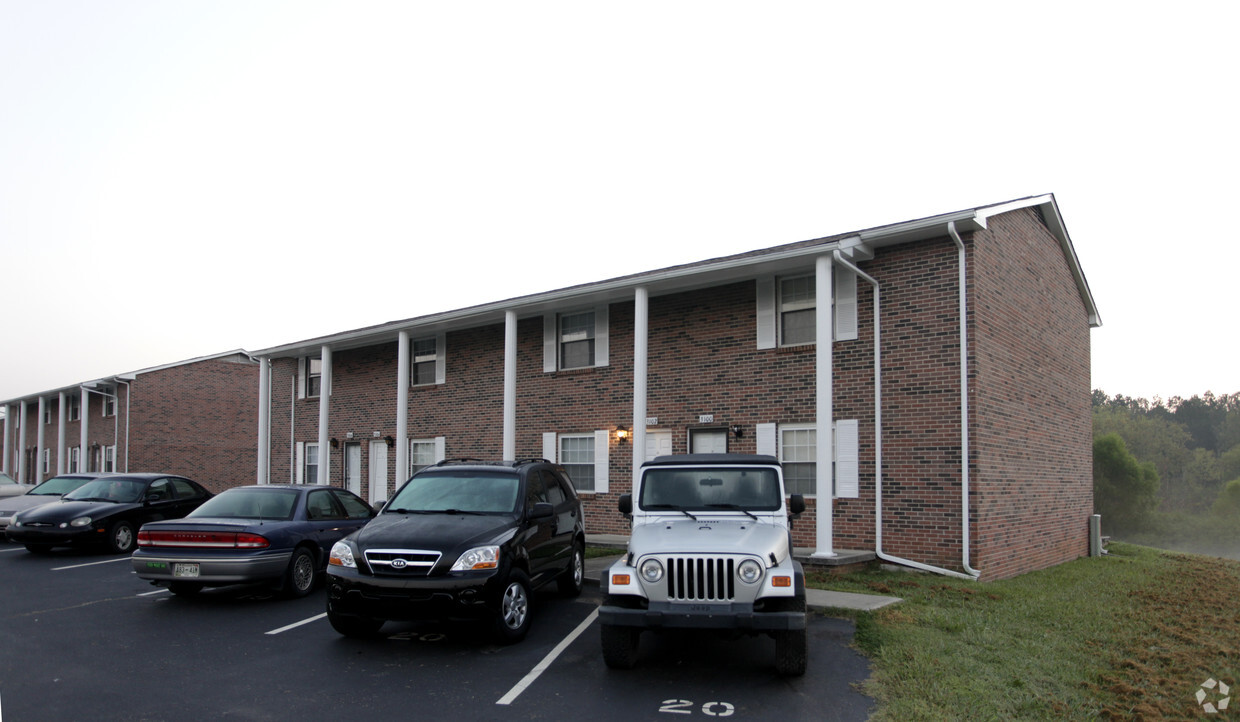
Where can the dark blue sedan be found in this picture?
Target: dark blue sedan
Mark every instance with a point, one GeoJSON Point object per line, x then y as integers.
{"type": "Point", "coordinates": [278, 534]}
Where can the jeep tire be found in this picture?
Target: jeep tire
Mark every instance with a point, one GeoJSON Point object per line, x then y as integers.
{"type": "Point", "coordinates": [791, 652]}
{"type": "Point", "coordinates": [620, 645]}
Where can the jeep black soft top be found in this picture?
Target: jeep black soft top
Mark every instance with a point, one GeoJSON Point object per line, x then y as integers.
{"type": "Point", "coordinates": [709, 459]}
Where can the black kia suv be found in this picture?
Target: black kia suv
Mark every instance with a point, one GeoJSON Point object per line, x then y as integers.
{"type": "Point", "coordinates": [463, 539]}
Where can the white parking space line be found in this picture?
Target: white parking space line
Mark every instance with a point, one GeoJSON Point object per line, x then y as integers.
{"type": "Point", "coordinates": [157, 591]}
{"type": "Point", "coordinates": [90, 564]}
{"type": "Point", "coordinates": [546, 662]}
{"type": "Point", "coordinates": [14, 549]}
{"type": "Point", "coordinates": [295, 625]}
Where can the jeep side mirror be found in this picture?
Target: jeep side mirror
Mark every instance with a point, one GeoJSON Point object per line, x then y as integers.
{"type": "Point", "coordinates": [625, 504]}
{"type": "Point", "coordinates": [796, 504]}
{"type": "Point", "coordinates": [542, 510]}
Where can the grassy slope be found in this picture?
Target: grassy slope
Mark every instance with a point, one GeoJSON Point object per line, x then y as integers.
{"type": "Point", "coordinates": [1128, 636]}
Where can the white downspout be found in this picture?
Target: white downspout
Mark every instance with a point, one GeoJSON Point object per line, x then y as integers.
{"type": "Point", "coordinates": [402, 412]}
{"type": "Point", "coordinates": [878, 435]}
{"type": "Point", "coordinates": [509, 451]}
{"type": "Point", "coordinates": [964, 403]}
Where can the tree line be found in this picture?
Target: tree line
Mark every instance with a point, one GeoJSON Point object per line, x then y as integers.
{"type": "Point", "coordinates": [1167, 468]}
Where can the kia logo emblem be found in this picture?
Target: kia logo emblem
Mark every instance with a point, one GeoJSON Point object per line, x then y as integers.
{"type": "Point", "coordinates": [399, 563]}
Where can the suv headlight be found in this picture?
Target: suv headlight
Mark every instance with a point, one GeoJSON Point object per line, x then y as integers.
{"type": "Point", "coordinates": [342, 556]}
{"type": "Point", "coordinates": [651, 570]}
{"type": "Point", "coordinates": [476, 559]}
{"type": "Point", "coordinates": [749, 571]}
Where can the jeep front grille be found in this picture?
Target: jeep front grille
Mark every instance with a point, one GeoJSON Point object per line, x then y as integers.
{"type": "Point", "coordinates": [708, 579]}
{"type": "Point", "coordinates": [402, 562]}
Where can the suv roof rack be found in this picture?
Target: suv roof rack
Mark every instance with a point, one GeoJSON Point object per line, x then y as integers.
{"type": "Point", "coordinates": [696, 459]}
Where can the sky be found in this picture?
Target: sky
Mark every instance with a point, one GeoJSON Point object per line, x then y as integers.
{"type": "Point", "coordinates": [183, 178]}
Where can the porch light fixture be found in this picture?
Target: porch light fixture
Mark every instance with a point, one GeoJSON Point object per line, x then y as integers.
{"type": "Point", "coordinates": [622, 435]}
{"type": "Point", "coordinates": [736, 430]}
{"type": "Point", "coordinates": [390, 441]}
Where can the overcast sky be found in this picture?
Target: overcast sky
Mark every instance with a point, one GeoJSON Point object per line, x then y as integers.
{"type": "Point", "coordinates": [179, 179]}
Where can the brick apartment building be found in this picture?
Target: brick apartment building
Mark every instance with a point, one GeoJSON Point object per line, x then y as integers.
{"type": "Point", "coordinates": [728, 354]}
{"type": "Point", "coordinates": [195, 418]}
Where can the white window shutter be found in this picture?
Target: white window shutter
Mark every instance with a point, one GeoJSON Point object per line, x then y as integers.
{"type": "Point", "coordinates": [600, 336]}
{"type": "Point", "coordinates": [441, 449]}
{"type": "Point", "coordinates": [301, 462]}
{"type": "Point", "coordinates": [550, 343]}
{"type": "Point", "coordinates": [766, 312]}
{"type": "Point", "coordinates": [847, 459]}
{"type": "Point", "coordinates": [441, 358]}
{"type": "Point", "coordinates": [549, 445]}
{"type": "Point", "coordinates": [303, 371]}
{"type": "Point", "coordinates": [845, 304]}
{"type": "Point", "coordinates": [602, 468]}
{"type": "Point", "coordinates": [766, 439]}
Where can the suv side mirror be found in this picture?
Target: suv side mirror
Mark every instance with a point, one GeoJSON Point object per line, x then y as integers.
{"type": "Point", "coordinates": [542, 510]}
{"type": "Point", "coordinates": [625, 504]}
{"type": "Point", "coordinates": [796, 504]}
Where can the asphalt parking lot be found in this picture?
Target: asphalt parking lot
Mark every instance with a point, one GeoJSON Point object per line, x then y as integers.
{"type": "Point", "coordinates": [84, 638]}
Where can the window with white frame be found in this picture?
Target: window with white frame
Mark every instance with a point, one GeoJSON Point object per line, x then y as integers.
{"type": "Point", "coordinates": [47, 414]}
{"type": "Point", "coordinates": [109, 459]}
{"type": "Point", "coordinates": [798, 452]}
{"type": "Point", "coordinates": [109, 401]}
{"type": "Point", "coordinates": [75, 460]}
{"type": "Point", "coordinates": [312, 464]}
{"type": "Point", "coordinates": [577, 457]}
{"type": "Point", "coordinates": [314, 377]}
{"type": "Point", "coordinates": [797, 302]}
{"type": "Point", "coordinates": [421, 454]}
{"type": "Point", "coordinates": [576, 340]}
{"type": "Point", "coordinates": [75, 407]}
{"type": "Point", "coordinates": [425, 358]}
{"type": "Point", "coordinates": [47, 460]}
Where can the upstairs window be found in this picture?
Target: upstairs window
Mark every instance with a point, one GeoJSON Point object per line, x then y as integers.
{"type": "Point", "coordinates": [425, 353]}
{"type": "Point", "coordinates": [787, 309]}
{"type": "Point", "coordinates": [577, 340]}
{"type": "Point", "coordinates": [109, 401]}
{"type": "Point", "coordinates": [797, 310]}
{"type": "Point", "coordinates": [74, 403]}
{"type": "Point", "coordinates": [312, 377]}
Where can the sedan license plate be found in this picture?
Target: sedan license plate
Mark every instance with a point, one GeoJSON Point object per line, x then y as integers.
{"type": "Point", "coordinates": [185, 570]}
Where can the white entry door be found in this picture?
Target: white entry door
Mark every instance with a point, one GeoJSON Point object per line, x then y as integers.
{"type": "Point", "coordinates": [378, 471]}
{"type": "Point", "coordinates": [353, 468]}
{"type": "Point", "coordinates": [658, 443]}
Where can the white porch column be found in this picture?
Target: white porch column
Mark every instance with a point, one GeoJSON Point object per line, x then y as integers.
{"type": "Point", "coordinates": [325, 398]}
{"type": "Point", "coordinates": [42, 436]}
{"type": "Point", "coordinates": [264, 420]}
{"type": "Point", "coordinates": [84, 451]}
{"type": "Point", "coordinates": [510, 385]}
{"type": "Point", "coordinates": [8, 439]}
{"type": "Point", "coordinates": [21, 446]}
{"type": "Point", "coordinates": [402, 409]}
{"type": "Point", "coordinates": [62, 443]}
{"type": "Point", "coordinates": [641, 370]}
{"type": "Point", "coordinates": [824, 412]}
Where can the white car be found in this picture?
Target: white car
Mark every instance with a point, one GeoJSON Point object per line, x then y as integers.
{"type": "Point", "coordinates": [9, 487]}
{"type": "Point", "coordinates": [32, 496]}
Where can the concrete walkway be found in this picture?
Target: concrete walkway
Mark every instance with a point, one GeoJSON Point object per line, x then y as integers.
{"type": "Point", "coordinates": [817, 599]}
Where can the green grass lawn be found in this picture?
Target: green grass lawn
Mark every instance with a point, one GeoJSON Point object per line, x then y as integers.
{"type": "Point", "coordinates": [1131, 635]}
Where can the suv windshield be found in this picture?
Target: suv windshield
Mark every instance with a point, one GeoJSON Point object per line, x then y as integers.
{"type": "Point", "coordinates": [270, 504]}
{"type": "Point", "coordinates": [458, 491]}
{"type": "Point", "coordinates": [711, 489]}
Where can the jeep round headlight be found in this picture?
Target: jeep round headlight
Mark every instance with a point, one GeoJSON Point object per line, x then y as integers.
{"type": "Point", "coordinates": [749, 571]}
{"type": "Point", "coordinates": [651, 570]}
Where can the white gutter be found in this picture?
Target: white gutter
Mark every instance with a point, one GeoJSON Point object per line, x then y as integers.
{"type": "Point", "coordinates": [964, 404]}
{"type": "Point", "coordinates": [878, 436]}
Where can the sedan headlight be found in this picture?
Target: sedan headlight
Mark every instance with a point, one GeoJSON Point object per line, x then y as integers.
{"type": "Point", "coordinates": [749, 571]}
{"type": "Point", "coordinates": [651, 570]}
{"type": "Point", "coordinates": [342, 556]}
{"type": "Point", "coordinates": [81, 521]}
{"type": "Point", "coordinates": [477, 558]}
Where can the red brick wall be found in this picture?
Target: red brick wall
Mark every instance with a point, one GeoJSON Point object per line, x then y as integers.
{"type": "Point", "coordinates": [1031, 401]}
{"type": "Point", "coordinates": [197, 419]}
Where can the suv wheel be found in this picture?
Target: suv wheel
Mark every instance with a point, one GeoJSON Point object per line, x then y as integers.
{"type": "Point", "coordinates": [791, 650]}
{"type": "Point", "coordinates": [512, 617]}
{"type": "Point", "coordinates": [620, 646]}
{"type": "Point", "coordinates": [573, 578]}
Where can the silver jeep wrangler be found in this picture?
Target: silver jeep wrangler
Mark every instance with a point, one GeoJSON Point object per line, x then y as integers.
{"type": "Point", "coordinates": [710, 548]}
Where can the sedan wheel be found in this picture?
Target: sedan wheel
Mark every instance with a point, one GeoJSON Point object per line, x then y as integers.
{"type": "Point", "coordinates": [121, 538]}
{"type": "Point", "coordinates": [512, 619]}
{"type": "Point", "coordinates": [302, 575]}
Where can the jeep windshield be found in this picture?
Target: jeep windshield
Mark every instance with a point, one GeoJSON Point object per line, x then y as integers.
{"type": "Point", "coordinates": [457, 492]}
{"type": "Point", "coordinates": [710, 489]}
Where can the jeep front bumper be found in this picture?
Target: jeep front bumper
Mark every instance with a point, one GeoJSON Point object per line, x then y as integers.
{"type": "Point", "coordinates": [671, 615]}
